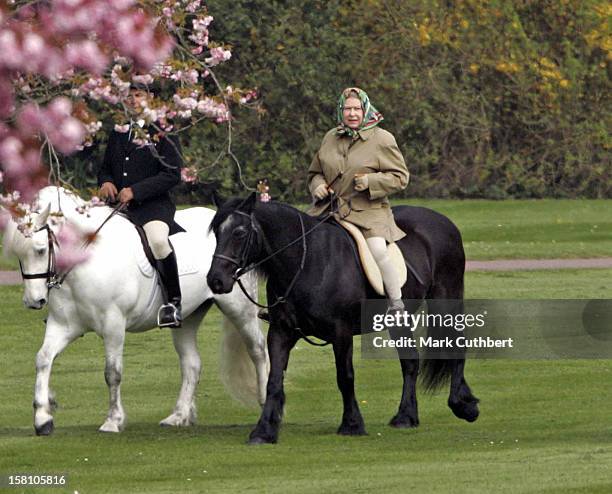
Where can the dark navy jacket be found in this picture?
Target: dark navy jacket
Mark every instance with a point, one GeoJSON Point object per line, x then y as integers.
{"type": "Point", "coordinates": [128, 165]}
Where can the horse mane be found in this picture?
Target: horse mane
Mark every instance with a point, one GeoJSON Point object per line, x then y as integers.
{"type": "Point", "coordinates": [56, 196]}
{"type": "Point", "coordinates": [234, 203]}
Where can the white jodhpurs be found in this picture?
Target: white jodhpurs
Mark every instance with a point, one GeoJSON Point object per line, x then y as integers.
{"type": "Point", "coordinates": [157, 236]}
{"type": "Point", "coordinates": [391, 280]}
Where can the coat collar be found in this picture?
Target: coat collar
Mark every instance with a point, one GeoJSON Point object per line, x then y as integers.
{"type": "Point", "coordinates": [367, 133]}
{"type": "Point", "coordinates": [363, 134]}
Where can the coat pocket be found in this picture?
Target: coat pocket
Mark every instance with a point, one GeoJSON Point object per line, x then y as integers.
{"type": "Point", "coordinates": [362, 202]}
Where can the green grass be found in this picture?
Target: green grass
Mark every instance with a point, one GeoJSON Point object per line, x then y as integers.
{"type": "Point", "coordinates": [531, 229]}
{"type": "Point", "coordinates": [544, 427]}
{"type": "Point", "coordinates": [521, 229]}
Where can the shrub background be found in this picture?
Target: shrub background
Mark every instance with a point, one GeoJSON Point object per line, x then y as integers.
{"type": "Point", "coordinates": [490, 99]}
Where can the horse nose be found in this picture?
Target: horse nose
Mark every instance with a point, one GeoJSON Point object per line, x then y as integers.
{"type": "Point", "coordinates": [216, 285]}
{"type": "Point", "coordinates": [42, 302]}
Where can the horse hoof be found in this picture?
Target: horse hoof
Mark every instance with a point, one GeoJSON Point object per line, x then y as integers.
{"type": "Point", "coordinates": [254, 441]}
{"type": "Point", "coordinates": [261, 438]}
{"type": "Point", "coordinates": [176, 421]}
{"type": "Point", "coordinates": [403, 422]}
{"type": "Point", "coordinates": [465, 410]}
{"type": "Point", "coordinates": [46, 429]}
{"type": "Point", "coordinates": [352, 430]}
{"type": "Point", "coordinates": [109, 427]}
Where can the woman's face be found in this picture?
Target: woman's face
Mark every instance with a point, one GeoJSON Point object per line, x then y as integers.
{"type": "Point", "coordinates": [352, 114]}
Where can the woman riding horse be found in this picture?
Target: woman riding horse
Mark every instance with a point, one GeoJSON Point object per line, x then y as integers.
{"type": "Point", "coordinates": [362, 164]}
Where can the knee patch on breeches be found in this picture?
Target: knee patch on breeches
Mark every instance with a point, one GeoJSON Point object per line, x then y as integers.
{"type": "Point", "coordinates": [157, 236]}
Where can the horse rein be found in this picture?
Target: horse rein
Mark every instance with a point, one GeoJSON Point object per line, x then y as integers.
{"type": "Point", "coordinates": [54, 280]}
{"type": "Point", "coordinates": [117, 209]}
{"type": "Point", "coordinates": [241, 259]}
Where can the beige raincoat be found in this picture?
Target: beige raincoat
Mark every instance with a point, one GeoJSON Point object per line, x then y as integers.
{"type": "Point", "coordinates": [374, 152]}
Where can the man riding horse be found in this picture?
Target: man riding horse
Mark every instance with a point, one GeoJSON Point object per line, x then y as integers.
{"type": "Point", "coordinates": [141, 177]}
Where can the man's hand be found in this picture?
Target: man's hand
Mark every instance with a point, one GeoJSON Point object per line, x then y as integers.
{"type": "Point", "coordinates": [321, 192]}
{"type": "Point", "coordinates": [109, 190]}
{"type": "Point", "coordinates": [126, 195]}
{"type": "Point", "coordinates": [361, 181]}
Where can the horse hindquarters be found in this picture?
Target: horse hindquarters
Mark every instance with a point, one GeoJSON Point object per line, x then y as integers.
{"type": "Point", "coordinates": [434, 247]}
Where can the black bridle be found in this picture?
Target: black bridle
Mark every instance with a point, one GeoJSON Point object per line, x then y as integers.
{"type": "Point", "coordinates": [51, 274]}
{"type": "Point", "coordinates": [241, 259]}
{"type": "Point", "coordinates": [55, 279]}
{"type": "Point", "coordinates": [240, 262]}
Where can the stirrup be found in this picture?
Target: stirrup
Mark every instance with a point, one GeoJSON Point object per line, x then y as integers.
{"type": "Point", "coordinates": [169, 316]}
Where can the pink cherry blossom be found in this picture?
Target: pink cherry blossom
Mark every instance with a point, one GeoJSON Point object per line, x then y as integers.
{"type": "Point", "coordinates": [86, 54]}
{"type": "Point", "coordinates": [60, 48]}
{"type": "Point", "coordinates": [218, 55]}
{"type": "Point", "coordinates": [71, 249]}
{"type": "Point", "coordinates": [189, 174]}
{"type": "Point", "coordinates": [143, 79]}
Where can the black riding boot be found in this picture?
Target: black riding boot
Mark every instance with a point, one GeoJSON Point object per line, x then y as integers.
{"type": "Point", "coordinates": [169, 314]}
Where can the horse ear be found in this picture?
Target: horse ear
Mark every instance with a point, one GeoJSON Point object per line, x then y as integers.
{"type": "Point", "coordinates": [41, 219]}
{"type": "Point", "coordinates": [217, 199]}
{"type": "Point", "coordinates": [249, 203]}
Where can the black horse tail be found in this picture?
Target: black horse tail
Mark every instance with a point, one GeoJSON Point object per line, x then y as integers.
{"type": "Point", "coordinates": [440, 358]}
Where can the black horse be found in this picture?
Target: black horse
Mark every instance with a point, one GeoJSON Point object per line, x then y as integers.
{"type": "Point", "coordinates": [321, 294]}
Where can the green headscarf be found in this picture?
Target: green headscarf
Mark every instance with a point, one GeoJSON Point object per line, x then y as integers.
{"type": "Point", "coordinates": [371, 116]}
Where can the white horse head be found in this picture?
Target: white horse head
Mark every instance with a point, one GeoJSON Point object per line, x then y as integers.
{"type": "Point", "coordinates": [34, 256]}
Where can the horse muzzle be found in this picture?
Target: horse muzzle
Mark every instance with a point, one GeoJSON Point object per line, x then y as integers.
{"type": "Point", "coordinates": [35, 304]}
{"type": "Point", "coordinates": [219, 283]}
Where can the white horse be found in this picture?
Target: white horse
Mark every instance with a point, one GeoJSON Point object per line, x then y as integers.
{"type": "Point", "coordinates": [116, 290]}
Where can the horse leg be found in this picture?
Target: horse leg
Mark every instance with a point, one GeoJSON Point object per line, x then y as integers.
{"type": "Point", "coordinates": [352, 421]}
{"type": "Point", "coordinates": [57, 338]}
{"type": "Point", "coordinates": [113, 346]}
{"type": "Point", "coordinates": [185, 344]}
{"type": "Point", "coordinates": [243, 315]}
{"type": "Point", "coordinates": [407, 414]}
{"type": "Point", "coordinates": [280, 343]}
{"type": "Point", "coordinates": [461, 400]}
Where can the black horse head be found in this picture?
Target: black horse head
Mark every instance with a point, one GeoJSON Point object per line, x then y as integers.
{"type": "Point", "coordinates": [239, 242]}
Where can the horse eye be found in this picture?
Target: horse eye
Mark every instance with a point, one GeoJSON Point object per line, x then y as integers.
{"type": "Point", "coordinates": [239, 233]}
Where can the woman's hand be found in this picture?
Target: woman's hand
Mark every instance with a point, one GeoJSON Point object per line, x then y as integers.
{"type": "Point", "coordinates": [109, 190]}
{"type": "Point", "coordinates": [361, 181]}
{"type": "Point", "coordinates": [321, 192]}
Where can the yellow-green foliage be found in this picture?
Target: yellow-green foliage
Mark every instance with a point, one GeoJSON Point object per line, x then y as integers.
{"type": "Point", "coordinates": [488, 98]}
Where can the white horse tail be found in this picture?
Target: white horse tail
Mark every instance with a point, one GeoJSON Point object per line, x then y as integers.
{"type": "Point", "coordinates": [236, 368]}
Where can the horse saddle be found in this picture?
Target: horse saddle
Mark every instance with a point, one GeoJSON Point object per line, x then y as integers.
{"type": "Point", "coordinates": [146, 260]}
{"type": "Point", "coordinates": [368, 263]}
